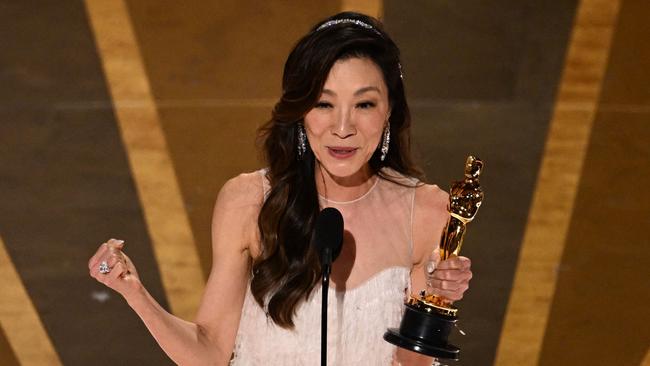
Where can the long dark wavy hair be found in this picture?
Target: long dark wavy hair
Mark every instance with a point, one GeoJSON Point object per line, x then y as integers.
{"type": "Point", "coordinates": [288, 269]}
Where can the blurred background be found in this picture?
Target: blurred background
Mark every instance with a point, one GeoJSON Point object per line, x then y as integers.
{"type": "Point", "coordinates": [123, 118]}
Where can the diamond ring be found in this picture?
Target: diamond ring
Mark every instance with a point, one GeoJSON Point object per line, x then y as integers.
{"type": "Point", "coordinates": [103, 267]}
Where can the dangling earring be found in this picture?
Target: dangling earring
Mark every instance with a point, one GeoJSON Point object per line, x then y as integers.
{"type": "Point", "coordinates": [302, 141]}
{"type": "Point", "coordinates": [385, 142]}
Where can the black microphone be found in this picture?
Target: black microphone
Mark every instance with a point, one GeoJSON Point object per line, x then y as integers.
{"type": "Point", "coordinates": [328, 235]}
{"type": "Point", "coordinates": [328, 238]}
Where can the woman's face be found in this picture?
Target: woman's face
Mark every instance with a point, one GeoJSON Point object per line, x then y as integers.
{"type": "Point", "coordinates": [346, 125]}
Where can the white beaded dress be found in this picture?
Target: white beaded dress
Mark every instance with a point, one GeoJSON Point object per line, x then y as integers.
{"type": "Point", "coordinates": [366, 295]}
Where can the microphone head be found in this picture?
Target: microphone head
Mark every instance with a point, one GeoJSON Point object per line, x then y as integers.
{"type": "Point", "coordinates": [328, 233]}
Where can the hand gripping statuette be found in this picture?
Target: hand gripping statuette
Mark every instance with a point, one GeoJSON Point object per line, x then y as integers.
{"type": "Point", "coordinates": [428, 319]}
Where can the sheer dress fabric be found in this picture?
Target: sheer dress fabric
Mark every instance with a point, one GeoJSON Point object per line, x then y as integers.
{"type": "Point", "coordinates": [366, 295]}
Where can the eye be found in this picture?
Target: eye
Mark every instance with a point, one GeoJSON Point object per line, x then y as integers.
{"type": "Point", "coordinates": [366, 105]}
{"type": "Point", "coordinates": [323, 105]}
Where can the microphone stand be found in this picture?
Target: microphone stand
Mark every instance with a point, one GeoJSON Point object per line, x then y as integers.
{"type": "Point", "coordinates": [327, 268]}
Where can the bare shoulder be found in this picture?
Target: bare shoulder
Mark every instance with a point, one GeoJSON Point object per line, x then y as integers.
{"type": "Point", "coordinates": [244, 190]}
{"type": "Point", "coordinates": [431, 197]}
{"type": "Point", "coordinates": [429, 217]}
{"type": "Point", "coordinates": [237, 208]}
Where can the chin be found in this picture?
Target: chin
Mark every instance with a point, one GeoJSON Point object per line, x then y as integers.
{"type": "Point", "coordinates": [342, 169]}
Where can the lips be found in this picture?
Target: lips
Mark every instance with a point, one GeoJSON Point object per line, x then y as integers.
{"type": "Point", "coordinates": [341, 152]}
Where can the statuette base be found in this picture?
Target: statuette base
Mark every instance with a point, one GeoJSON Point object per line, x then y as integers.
{"type": "Point", "coordinates": [424, 332]}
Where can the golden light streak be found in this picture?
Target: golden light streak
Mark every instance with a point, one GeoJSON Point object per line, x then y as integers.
{"type": "Point", "coordinates": [155, 178]}
{"type": "Point", "coordinates": [557, 182]}
{"type": "Point", "coordinates": [20, 321]}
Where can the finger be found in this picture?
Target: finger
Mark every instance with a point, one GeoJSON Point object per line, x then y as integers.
{"type": "Point", "coordinates": [94, 272]}
{"type": "Point", "coordinates": [445, 285]}
{"type": "Point", "coordinates": [97, 274]}
{"type": "Point", "coordinates": [114, 249]}
{"type": "Point", "coordinates": [453, 274]}
{"type": "Point", "coordinates": [95, 258]}
{"type": "Point", "coordinates": [453, 295]}
{"type": "Point", "coordinates": [118, 272]}
{"type": "Point", "coordinates": [129, 264]}
{"type": "Point", "coordinates": [95, 269]}
{"type": "Point", "coordinates": [455, 262]}
{"type": "Point", "coordinates": [429, 268]}
{"type": "Point", "coordinates": [111, 257]}
{"type": "Point", "coordinates": [467, 275]}
{"type": "Point", "coordinates": [107, 246]}
{"type": "Point", "coordinates": [459, 292]}
{"type": "Point", "coordinates": [114, 258]}
{"type": "Point", "coordinates": [115, 244]}
{"type": "Point", "coordinates": [435, 255]}
{"type": "Point", "coordinates": [466, 262]}
{"type": "Point", "coordinates": [443, 274]}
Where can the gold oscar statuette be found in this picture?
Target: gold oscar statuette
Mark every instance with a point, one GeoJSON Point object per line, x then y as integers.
{"type": "Point", "coordinates": [428, 318]}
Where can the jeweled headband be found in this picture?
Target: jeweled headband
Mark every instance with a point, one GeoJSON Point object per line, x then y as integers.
{"type": "Point", "coordinates": [360, 24]}
{"type": "Point", "coordinates": [347, 20]}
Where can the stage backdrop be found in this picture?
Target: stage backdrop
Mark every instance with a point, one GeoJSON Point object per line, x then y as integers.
{"type": "Point", "coordinates": [123, 118]}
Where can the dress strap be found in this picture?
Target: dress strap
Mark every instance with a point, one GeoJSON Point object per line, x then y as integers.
{"type": "Point", "coordinates": [266, 186]}
{"type": "Point", "coordinates": [412, 214]}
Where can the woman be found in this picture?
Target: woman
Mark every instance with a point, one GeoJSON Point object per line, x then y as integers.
{"type": "Point", "coordinates": [338, 137]}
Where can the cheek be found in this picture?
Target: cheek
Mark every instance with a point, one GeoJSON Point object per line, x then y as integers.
{"type": "Point", "coordinates": [315, 126]}
{"type": "Point", "coordinates": [374, 132]}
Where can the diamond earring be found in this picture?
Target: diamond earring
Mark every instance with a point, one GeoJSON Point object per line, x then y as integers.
{"type": "Point", "coordinates": [302, 141]}
{"type": "Point", "coordinates": [385, 142]}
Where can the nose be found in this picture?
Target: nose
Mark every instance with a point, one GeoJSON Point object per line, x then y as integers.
{"type": "Point", "coordinates": [344, 126]}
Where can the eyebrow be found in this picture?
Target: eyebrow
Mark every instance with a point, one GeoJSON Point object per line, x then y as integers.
{"type": "Point", "coordinates": [358, 92]}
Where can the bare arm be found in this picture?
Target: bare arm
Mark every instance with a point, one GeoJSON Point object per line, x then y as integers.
{"type": "Point", "coordinates": [429, 217]}
{"type": "Point", "coordinates": [451, 276]}
{"type": "Point", "coordinates": [210, 339]}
